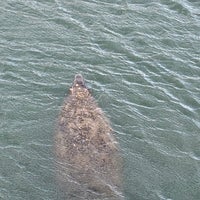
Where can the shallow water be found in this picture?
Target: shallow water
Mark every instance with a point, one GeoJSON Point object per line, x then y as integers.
{"type": "Point", "coordinates": [141, 61]}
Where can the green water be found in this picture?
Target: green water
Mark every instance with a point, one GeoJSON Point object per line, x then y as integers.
{"type": "Point", "coordinates": [141, 60]}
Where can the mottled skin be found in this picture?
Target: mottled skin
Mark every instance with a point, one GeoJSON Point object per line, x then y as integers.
{"type": "Point", "coordinates": [88, 159]}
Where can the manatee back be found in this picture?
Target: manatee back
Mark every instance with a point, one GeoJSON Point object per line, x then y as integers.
{"type": "Point", "coordinates": [88, 158]}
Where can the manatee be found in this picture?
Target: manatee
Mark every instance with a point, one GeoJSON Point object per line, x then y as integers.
{"type": "Point", "coordinates": [88, 158]}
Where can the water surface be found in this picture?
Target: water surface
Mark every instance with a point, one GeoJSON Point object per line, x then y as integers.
{"type": "Point", "coordinates": [141, 61]}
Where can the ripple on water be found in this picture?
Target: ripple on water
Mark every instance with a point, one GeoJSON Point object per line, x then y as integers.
{"type": "Point", "coordinates": [141, 59]}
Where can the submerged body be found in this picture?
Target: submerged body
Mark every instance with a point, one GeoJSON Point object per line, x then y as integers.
{"type": "Point", "coordinates": [88, 159]}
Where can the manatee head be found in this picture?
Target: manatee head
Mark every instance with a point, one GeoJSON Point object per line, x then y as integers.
{"type": "Point", "coordinates": [79, 81]}
{"type": "Point", "coordinates": [78, 88]}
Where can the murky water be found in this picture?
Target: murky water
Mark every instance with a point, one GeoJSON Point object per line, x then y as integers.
{"type": "Point", "coordinates": [141, 61]}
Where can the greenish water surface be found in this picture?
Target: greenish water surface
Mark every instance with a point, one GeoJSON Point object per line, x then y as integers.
{"type": "Point", "coordinates": [141, 60]}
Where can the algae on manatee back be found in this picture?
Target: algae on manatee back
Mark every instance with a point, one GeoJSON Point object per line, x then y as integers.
{"type": "Point", "coordinates": [88, 158]}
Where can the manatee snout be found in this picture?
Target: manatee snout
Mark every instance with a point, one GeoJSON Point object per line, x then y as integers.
{"type": "Point", "coordinates": [79, 80]}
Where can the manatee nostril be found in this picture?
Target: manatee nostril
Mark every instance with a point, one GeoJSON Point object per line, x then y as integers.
{"type": "Point", "coordinates": [79, 79]}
